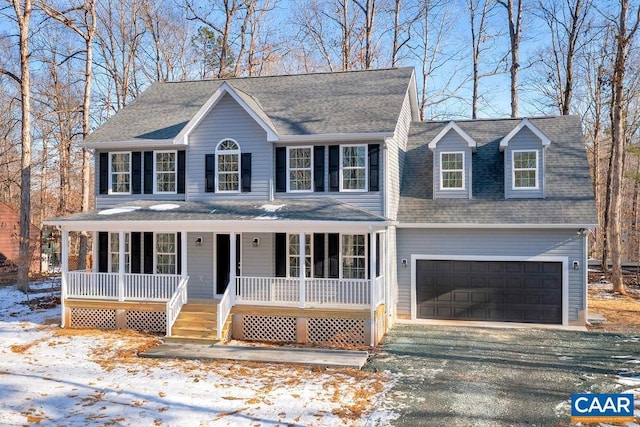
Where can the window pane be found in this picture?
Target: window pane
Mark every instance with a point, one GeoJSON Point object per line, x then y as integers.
{"type": "Point", "coordinates": [228, 166]}
{"type": "Point", "coordinates": [354, 156]}
{"type": "Point", "coordinates": [228, 145]}
{"type": "Point", "coordinates": [452, 161]}
{"type": "Point", "coordinates": [294, 255]}
{"type": "Point", "coordinates": [525, 178]}
{"type": "Point", "coordinates": [166, 253]}
{"type": "Point", "coordinates": [165, 172]}
{"type": "Point", "coordinates": [354, 161]}
{"type": "Point", "coordinates": [354, 256]}
{"type": "Point", "coordinates": [300, 175]}
{"type": "Point", "coordinates": [451, 179]}
{"type": "Point", "coordinates": [524, 160]}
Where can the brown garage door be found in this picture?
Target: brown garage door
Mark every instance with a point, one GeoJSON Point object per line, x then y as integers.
{"type": "Point", "coordinates": [505, 291]}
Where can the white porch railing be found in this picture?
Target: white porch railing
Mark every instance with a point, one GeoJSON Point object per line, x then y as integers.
{"type": "Point", "coordinates": [137, 287]}
{"type": "Point", "coordinates": [224, 309]}
{"type": "Point", "coordinates": [174, 305]}
{"type": "Point", "coordinates": [379, 297]}
{"type": "Point", "coordinates": [318, 292]}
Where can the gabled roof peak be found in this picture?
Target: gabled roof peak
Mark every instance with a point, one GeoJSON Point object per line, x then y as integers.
{"type": "Point", "coordinates": [544, 139]}
{"type": "Point", "coordinates": [453, 126]}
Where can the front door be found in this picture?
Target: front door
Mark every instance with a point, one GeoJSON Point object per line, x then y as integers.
{"type": "Point", "coordinates": [223, 261]}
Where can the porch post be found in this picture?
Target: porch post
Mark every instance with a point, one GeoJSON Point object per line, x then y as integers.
{"type": "Point", "coordinates": [233, 265]}
{"type": "Point", "coordinates": [302, 242]}
{"type": "Point", "coordinates": [94, 251]}
{"type": "Point", "coordinates": [121, 266]}
{"type": "Point", "coordinates": [64, 255]}
{"type": "Point", "coordinates": [184, 257]}
{"type": "Point", "coordinates": [372, 278]}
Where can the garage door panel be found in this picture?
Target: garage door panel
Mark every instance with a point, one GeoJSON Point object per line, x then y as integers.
{"type": "Point", "coordinates": [515, 291]}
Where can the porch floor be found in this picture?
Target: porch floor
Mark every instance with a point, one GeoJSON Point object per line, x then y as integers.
{"type": "Point", "coordinates": [288, 355]}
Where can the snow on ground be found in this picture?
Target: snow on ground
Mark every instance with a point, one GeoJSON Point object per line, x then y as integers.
{"type": "Point", "coordinates": [123, 209]}
{"type": "Point", "coordinates": [164, 207]}
{"type": "Point", "coordinates": [77, 378]}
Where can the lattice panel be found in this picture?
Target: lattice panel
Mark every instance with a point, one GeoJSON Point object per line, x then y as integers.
{"type": "Point", "coordinates": [93, 318]}
{"type": "Point", "coordinates": [336, 331]}
{"type": "Point", "coordinates": [381, 327]}
{"type": "Point", "coordinates": [269, 328]}
{"type": "Point", "coordinates": [153, 321]}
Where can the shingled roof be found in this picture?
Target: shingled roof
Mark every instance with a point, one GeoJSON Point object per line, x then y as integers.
{"type": "Point", "coordinates": [569, 192]}
{"type": "Point", "coordinates": [305, 104]}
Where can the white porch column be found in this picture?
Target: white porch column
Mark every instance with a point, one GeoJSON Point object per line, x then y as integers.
{"type": "Point", "coordinates": [302, 243]}
{"type": "Point", "coordinates": [233, 265]}
{"type": "Point", "coordinates": [121, 266]}
{"type": "Point", "coordinates": [64, 255]}
{"type": "Point", "coordinates": [94, 251]}
{"type": "Point", "coordinates": [372, 278]}
{"type": "Point", "coordinates": [183, 256]}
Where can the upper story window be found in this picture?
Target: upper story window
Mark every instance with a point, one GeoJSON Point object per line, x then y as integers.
{"type": "Point", "coordinates": [166, 253]}
{"type": "Point", "coordinates": [354, 256]}
{"type": "Point", "coordinates": [452, 171]}
{"type": "Point", "coordinates": [353, 161]}
{"type": "Point", "coordinates": [525, 169]}
{"type": "Point", "coordinates": [165, 171]}
{"type": "Point", "coordinates": [120, 173]}
{"type": "Point", "coordinates": [114, 253]}
{"type": "Point", "coordinates": [299, 169]}
{"type": "Point", "coordinates": [294, 255]}
{"type": "Point", "coordinates": [228, 166]}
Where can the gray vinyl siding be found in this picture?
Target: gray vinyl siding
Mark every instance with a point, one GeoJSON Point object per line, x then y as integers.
{"type": "Point", "coordinates": [523, 140]}
{"type": "Point", "coordinates": [396, 148]}
{"type": "Point", "coordinates": [200, 266]}
{"type": "Point", "coordinates": [258, 261]}
{"type": "Point", "coordinates": [226, 120]}
{"type": "Point", "coordinates": [492, 242]}
{"type": "Point", "coordinates": [106, 201]}
{"type": "Point", "coordinates": [452, 142]}
{"type": "Point", "coordinates": [372, 201]}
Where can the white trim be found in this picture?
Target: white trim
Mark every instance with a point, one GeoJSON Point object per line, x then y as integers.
{"type": "Point", "coordinates": [366, 169]}
{"type": "Point", "coordinates": [453, 126]}
{"type": "Point", "coordinates": [335, 137]}
{"type": "Point", "coordinates": [544, 139]}
{"type": "Point", "coordinates": [522, 226]}
{"type": "Point", "coordinates": [464, 187]}
{"type": "Point", "coordinates": [288, 180]}
{"type": "Point", "coordinates": [513, 170]}
{"type": "Point", "coordinates": [155, 172]}
{"type": "Point", "coordinates": [238, 153]}
{"type": "Point", "coordinates": [110, 177]}
{"type": "Point", "coordinates": [562, 259]}
{"type": "Point", "coordinates": [128, 144]}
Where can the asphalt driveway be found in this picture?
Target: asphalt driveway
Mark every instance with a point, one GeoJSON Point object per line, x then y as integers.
{"type": "Point", "coordinates": [466, 376]}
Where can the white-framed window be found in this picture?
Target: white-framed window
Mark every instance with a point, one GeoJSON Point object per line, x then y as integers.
{"type": "Point", "coordinates": [119, 173]}
{"type": "Point", "coordinates": [354, 256]}
{"type": "Point", "coordinates": [294, 255]}
{"type": "Point", "coordinates": [114, 253]}
{"type": "Point", "coordinates": [299, 169]}
{"type": "Point", "coordinates": [165, 168]}
{"type": "Point", "coordinates": [353, 168]}
{"type": "Point", "coordinates": [166, 253]}
{"type": "Point", "coordinates": [525, 169]}
{"type": "Point", "coordinates": [228, 166]}
{"type": "Point", "coordinates": [452, 170]}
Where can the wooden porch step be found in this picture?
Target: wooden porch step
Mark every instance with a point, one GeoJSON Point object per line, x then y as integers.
{"type": "Point", "coordinates": [201, 305]}
{"type": "Point", "coordinates": [194, 332]}
{"type": "Point", "coordinates": [190, 340]}
{"type": "Point", "coordinates": [188, 322]}
{"type": "Point", "coordinates": [205, 316]}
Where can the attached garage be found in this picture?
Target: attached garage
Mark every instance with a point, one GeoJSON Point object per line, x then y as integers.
{"type": "Point", "coordinates": [522, 291]}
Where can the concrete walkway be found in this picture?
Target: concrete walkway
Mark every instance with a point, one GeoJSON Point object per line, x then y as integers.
{"type": "Point", "coordinates": [292, 355]}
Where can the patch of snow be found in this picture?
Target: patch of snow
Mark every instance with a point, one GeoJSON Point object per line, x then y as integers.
{"type": "Point", "coordinates": [164, 207]}
{"type": "Point", "coordinates": [621, 357]}
{"type": "Point", "coordinates": [123, 209]}
{"type": "Point", "coordinates": [272, 208]}
{"type": "Point", "coordinates": [266, 217]}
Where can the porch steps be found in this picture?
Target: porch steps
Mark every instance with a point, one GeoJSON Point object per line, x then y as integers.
{"type": "Point", "coordinates": [196, 324]}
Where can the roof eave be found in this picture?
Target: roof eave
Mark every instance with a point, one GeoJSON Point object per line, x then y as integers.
{"type": "Point", "coordinates": [135, 143]}
{"type": "Point", "coordinates": [402, 224]}
{"type": "Point", "coordinates": [332, 137]}
{"type": "Point", "coordinates": [544, 139]}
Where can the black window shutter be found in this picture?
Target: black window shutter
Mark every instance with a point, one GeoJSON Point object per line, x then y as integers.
{"type": "Point", "coordinates": [281, 254]}
{"type": "Point", "coordinates": [103, 252]}
{"type": "Point", "coordinates": [334, 255]}
{"type": "Point", "coordinates": [318, 167]}
{"type": "Point", "coordinates": [245, 173]}
{"type": "Point", "coordinates": [334, 168]}
{"type": "Point", "coordinates": [148, 253]}
{"type": "Point", "coordinates": [374, 167]}
{"type": "Point", "coordinates": [378, 256]}
{"type": "Point", "coordinates": [210, 173]}
{"type": "Point", "coordinates": [179, 253]}
{"type": "Point", "coordinates": [135, 252]}
{"type": "Point", "coordinates": [104, 173]}
{"type": "Point", "coordinates": [148, 172]}
{"type": "Point", "coordinates": [136, 172]}
{"type": "Point", "coordinates": [281, 169]}
{"type": "Point", "coordinates": [238, 255]}
{"type": "Point", "coordinates": [181, 171]}
{"type": "Point", "coordinates": [318, 255]}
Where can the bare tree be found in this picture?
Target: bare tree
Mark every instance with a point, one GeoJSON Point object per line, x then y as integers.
{"type": "Point", "coordinates": [368, 9]}
{"type": "Point", "coordinates": [514, 16]}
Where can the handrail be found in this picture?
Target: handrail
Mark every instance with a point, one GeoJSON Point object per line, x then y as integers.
{"type": "Point", "coordinates": [174, 305]}
{"type": "Point", "coordinates": [224, 309]}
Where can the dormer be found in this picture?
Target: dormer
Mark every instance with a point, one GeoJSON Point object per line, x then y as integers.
{"type": "Point", "coordinates": [524, 161]}
{"type": "Point", "coordinates": [452, 150]}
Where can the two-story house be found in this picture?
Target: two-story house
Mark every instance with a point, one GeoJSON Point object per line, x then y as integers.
{"type": "Point", "coordinates": [318, 208]}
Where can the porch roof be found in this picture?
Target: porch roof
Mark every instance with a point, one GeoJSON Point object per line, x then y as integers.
{"type": "Point", "coordinates": [227, 215]}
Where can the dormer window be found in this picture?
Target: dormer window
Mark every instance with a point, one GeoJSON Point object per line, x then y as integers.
{"type": "Point", "coordinates": [452, 171]}
{"type": "Point", "coordinates": [228, 166]}
{"type": "Point", "coordinates": [525, 169]}
{"type": "Point", "coordinates": [120, 173]}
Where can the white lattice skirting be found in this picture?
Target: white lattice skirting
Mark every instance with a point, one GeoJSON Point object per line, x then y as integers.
{"type": "Point", "coordinates": [269, 328]}
{"type": "Point", "coordinates": [336, 331]}
{"type": "Point", "coordinates": [93, 318]}
{"type": "Point", "coordinates": [98, 318]}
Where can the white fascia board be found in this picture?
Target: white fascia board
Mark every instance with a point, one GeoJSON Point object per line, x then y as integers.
{"type": "Point", "coordinates": [335, 137]}
{"type": "Point", "coordinates": [413, 98]}
{"type": "Point", "coordinates": [503, 226]}
{"type": "Point", "coordinates": [453, 126]}
{"type": "Point", "coordinates": [239, 226]}
{"type": "Point", "coordinates": [138, 144]}
{"type": "Point", "coordinates": [544, 139]}
{"type": "Point", "coordinates": [223, 89]}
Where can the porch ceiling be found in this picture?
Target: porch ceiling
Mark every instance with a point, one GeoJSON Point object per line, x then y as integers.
{"type": "Point", "coordinates": [286, 214]}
